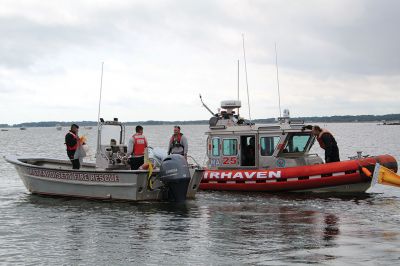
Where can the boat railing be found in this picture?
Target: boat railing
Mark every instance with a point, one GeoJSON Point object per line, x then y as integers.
{"type": "Point", "coordinates": [218, 127]}
{"type": "Point", "coordinates": [312, 154]}
{"type": "Point", "coordinates": [194, 160]}
{"type": "Point", "coordinates": [358, 156]}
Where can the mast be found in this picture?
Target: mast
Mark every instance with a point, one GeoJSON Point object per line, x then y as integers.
{"type": "Point", "coordinates": [277, 80]}
{"type": "Point", "coordinates": [247, 83]}
{"type": "Point", "coordinates": [101, 88]}
{"type": "Point", "coordinates": [238, 85]}
{"type": "Point", "coordinates": [98, 114]}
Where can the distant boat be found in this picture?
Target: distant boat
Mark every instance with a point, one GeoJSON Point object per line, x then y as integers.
{"type": "Point", "coordinates": [391, 123]}
{"type": "Point", "coordinates": [3, 129]}
{"type": "Point", "coordinates": [88, 128]}
{"type": "Point", "coordinates": [58, 127]}
{"type": "Point", "coordinates": [22, 128]}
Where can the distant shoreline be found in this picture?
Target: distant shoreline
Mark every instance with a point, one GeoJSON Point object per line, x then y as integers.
{"type": "Point", "coordinates": [311, 119]}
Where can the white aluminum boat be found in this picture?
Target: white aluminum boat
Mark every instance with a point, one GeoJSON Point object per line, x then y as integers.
{"type": "Point", "coordinates": [110, 177]}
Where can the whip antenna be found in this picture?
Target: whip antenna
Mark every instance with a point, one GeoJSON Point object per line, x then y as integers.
{"type": "Point", "coordinates": [205, 106]}
{"type": "Point", "coordinates": [238, 80]}
{"type": "Point", "coordinates": [277, 80]}
{"type": "Point", "coordinates": [247, 83]}
{"type": "Point", "coordinates": [101, 88]}
{"type": "Point", "coordinates": [238, 86]}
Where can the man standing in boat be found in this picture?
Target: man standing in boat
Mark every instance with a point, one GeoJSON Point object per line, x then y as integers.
{"type": "Point", "coordinates": [136, 147]}
{"type": "Point", "coordinates": [328, 143]}
{"type": "Point", "coordinates": [178, 143]}
{"type": "Point", "coordinates": [72, 141]}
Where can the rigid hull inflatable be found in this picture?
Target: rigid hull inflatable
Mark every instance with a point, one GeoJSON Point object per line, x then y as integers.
{"type": "Point", "coordinates": [276, 157]}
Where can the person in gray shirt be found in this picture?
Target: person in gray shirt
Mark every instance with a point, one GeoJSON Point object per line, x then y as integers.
{"type": "Point", "coordinates": [178, 143]}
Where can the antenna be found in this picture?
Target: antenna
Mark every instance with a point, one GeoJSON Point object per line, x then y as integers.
{"type": "Point", "coordinates": [277, 80]}
{"type": "Point", "coordinates": [238, 85]}
{"type": "Point", "coordinates": [101, 88]}
{"type": "Point", "coordinates": [238, 80]}
{"type": "Point", "coordinates": [205, 106]}
{"type": "Point", "coordinates": [247, 83]}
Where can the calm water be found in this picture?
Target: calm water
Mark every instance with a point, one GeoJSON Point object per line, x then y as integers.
{"type": "Point", "coordinates": [217, 228]}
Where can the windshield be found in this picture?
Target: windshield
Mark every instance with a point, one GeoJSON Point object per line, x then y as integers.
{"type": "Point", "coordinates": [110, 135]}
{"type": "Point", "coordinates": [297, 143]}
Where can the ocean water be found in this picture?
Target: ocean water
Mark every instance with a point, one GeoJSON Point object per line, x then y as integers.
{"type": "Point", "coordinates": [217, 228]}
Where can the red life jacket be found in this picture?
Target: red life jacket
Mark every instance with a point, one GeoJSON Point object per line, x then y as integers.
{"type": "Point", "coordinates": [139, 145]}
{"type": "Point", "coordinates": [319, 138]}
{"type": "Point", "coordinates": [176, 140]}
{"type": "Point", "coordinates": [73, 148]}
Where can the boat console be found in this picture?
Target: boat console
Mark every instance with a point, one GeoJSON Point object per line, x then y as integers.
{"type": "Point", "coordinates": [111, 148]}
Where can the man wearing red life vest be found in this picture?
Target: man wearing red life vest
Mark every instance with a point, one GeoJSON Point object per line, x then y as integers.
{"type": "Point", "coordinates": [328, 143]}
{"type": "Point", "coordinates": [178, 143]}
{"type": "Point", "coordinates": [136, 147]}
{"type": "Point", "coordinates": [72, 141]}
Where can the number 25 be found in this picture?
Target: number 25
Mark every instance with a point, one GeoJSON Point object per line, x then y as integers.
{"type": "Point", "coordinates": [229, 160]}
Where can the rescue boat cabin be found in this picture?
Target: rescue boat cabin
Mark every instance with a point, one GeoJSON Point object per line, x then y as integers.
{"type": "Point", "coordinates": [234, 143]}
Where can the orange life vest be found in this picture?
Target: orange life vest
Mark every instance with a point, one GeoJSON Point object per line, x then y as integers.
{"type": "Point", "coordinates": [139, 145]}
{"type": "Point", "coordinates": [73, 148]}
{"type": "Point", "coordinates": [176, 140]}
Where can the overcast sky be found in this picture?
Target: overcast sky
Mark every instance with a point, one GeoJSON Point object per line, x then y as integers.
{"type": "Point", "coordinates": [335, 57]}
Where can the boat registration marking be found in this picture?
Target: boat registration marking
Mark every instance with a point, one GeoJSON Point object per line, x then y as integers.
{"type": "Point", "coordinates": [86, 177]}
{"type": "Point", "coordinates": [241, 174]}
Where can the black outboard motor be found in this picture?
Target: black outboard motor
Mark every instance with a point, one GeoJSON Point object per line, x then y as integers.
{"type": "Point", "coordinates": [174, 173]}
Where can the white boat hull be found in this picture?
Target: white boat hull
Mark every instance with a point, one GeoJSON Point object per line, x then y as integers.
{"type": "Point", "coordinates": [55, 177]}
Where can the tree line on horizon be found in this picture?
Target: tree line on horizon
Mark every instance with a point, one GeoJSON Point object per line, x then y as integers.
{"type": "Point", "coordinates": [309, 119]}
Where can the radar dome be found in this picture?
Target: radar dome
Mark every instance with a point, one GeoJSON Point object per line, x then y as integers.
{"type": "Point", "coordinates": [231, 104]}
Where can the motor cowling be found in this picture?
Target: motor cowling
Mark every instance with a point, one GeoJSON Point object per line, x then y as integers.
{"type": "Point", "coordinates": [175, 175]}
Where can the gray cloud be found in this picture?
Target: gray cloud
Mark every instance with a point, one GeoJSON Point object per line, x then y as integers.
{"type": "Point", "coordinates": [356, 37]}
{"type": "Point", "coordinates": [308, 35]}
{"type": "Point", "coordinates": [170, 47]}
{"type": "Point", "coordinates": [27, 41]}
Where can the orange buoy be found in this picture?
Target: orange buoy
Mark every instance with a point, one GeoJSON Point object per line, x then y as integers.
{"type": "Point", "coordinates": [145, 166]}
{"type": "Point", "coordinates": [366, 171]}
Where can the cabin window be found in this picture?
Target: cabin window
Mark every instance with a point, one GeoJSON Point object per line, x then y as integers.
{"type": "Point", "coordinates": [268, 145]}
{"type": "Point", "coordinates": [215, 146]}
{"type": "Point", "coordinates": [229, 147]}
{"type": "Point", "coordinates": [297, 143]}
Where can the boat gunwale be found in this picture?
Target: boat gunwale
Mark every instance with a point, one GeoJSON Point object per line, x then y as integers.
{"type": "Point", "coordinates": [15, 160]}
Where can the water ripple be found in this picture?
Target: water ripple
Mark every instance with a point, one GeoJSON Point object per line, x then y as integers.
{"type": "Point", "coordinates": [217, 228]}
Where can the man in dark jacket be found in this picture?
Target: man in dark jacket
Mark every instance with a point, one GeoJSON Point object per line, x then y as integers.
{"type": "Point", "coordinates": [72, 142]}
{"type": "Point", "coordinates": [328, 143]}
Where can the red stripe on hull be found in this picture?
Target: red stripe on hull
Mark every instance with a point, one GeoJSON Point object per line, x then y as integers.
{"type": "Point", "coordinates": [288, 185]}
{"type": "Point", "coordinates": [347, 172]}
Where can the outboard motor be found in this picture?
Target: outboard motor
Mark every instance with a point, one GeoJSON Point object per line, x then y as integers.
{"type": "Point", "coordinates": [174, 173]}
